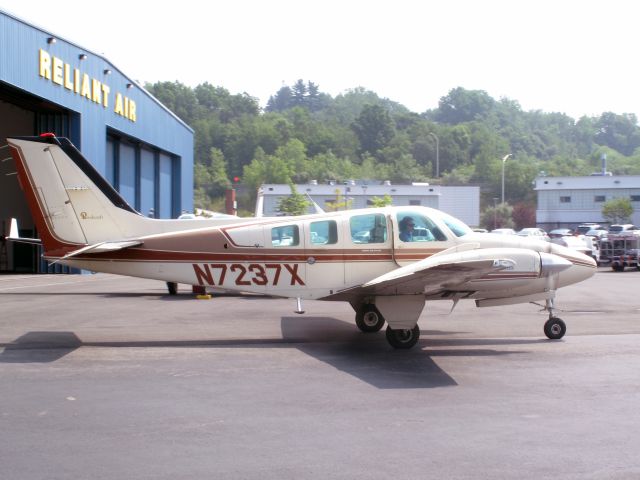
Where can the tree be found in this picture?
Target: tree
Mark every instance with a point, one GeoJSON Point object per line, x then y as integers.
{"type": "Point", "coordinates": [384, 201]}
{"type": "Point", "coordinates": [618, 210]}
{"type": "Point", "coordinates": [282, 100]}
{"type": "Point", "coordinates": [294, 204]}
{"type": "Point", "coordinates": [497, 217]}
{"type": "Point", "coordinates": [340, 203]}
{"type": "Point", "coordinates": [299, 93]}
{"type": "Point", "coordinates": [524, 215]}
{"type": "Point", "coordinates": [374, 128]}
{"type": "Point", "coordinates": [462, 105]}
{"type": "Point", "coordinates": [620, 132]}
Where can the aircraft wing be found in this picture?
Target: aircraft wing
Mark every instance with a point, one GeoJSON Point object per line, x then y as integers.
{"type": "Point", "coordinates": [429, 276]}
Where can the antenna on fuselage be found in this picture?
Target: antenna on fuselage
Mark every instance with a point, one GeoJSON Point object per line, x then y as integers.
{"type": "Point", "coordinates": [317, 208]}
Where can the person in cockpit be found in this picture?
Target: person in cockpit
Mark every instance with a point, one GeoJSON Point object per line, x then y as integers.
{"type": "Point", "coordinates": [406, 229]}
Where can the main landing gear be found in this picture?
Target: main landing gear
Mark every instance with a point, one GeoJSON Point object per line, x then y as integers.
{"type": "Point", "coordinates": [403, 338]}
{"type": "Point", "coordinates": [554, 328]}
{"type": "Point", "coordinates": [369, 320]}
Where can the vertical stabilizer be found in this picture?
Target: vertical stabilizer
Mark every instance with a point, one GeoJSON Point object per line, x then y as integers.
{"type": "Point", "coordinates": [70, 202]}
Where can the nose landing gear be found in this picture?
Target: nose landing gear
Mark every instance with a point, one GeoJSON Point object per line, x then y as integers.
{"type": "Point", "coordinates": [554, 328]}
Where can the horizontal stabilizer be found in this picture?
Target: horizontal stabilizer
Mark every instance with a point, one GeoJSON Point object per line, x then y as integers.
{"type": "Point", "coordinates": [102, 247]}
{"type": "Point", "coordinates": [14, 235]}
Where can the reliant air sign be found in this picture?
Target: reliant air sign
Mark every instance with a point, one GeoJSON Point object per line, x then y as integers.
{"type": "Point", "coordinates": [63, 74]}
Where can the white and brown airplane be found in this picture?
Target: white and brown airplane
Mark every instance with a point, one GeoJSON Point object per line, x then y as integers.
{"type": "Point", "coordinates": [386, 262]}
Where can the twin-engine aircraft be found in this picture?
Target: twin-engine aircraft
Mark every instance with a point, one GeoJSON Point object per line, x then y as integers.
{"type": "Point", "coordinates": [386, 262]}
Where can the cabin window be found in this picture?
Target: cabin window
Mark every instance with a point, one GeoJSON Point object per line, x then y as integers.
{"type": "Point", "coordinates": [286, 236]}
{"type": "Point", "coordinates": [418, 228]}
{"type": "Point", "coordinates": [371, 228]}
{"type": "Point", "coordinates": [324, 233]}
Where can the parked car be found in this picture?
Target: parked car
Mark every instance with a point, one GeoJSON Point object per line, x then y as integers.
{"type": "Point", "coordinates": [504, 231]}
{"type": "Point", "coordinates": [538, 233]}
{"type": "Point", "coordinates": [560, 232]}
{"type": "Point", "coordinates": [626, 227]}
{"type": "Point", "coordinates": [583, 228]}
{"type": "Point", "coordinates": [597, 233]}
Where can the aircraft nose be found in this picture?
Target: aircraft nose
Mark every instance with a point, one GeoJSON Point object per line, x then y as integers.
{"type": "Point", "coordinates": [582, 266]}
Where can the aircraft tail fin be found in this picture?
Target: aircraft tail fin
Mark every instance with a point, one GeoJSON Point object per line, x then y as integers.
{"type": "Point", "coordinates": [71, 204]}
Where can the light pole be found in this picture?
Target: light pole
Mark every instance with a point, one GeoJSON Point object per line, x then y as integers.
{"type": "Point", "coordinates": [437, 153]}
{"type": "Point", "coordinates": [504, 160]}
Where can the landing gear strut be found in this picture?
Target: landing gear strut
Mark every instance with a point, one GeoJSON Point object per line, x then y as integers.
{"type": "Point", "coordinates": [554, 328]}
{"type": "Point", "coordinates": [369, 319]}
{"type": "Point", "coordinates": [172, 287]}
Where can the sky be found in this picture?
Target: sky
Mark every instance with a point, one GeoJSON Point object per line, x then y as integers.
{"type": "Point", "coordinates": [578, 57]}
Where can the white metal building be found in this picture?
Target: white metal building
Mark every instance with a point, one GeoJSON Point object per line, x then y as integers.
{"type": "Point", "coordinates": [568, 201]}
{"type": "Point", "coordinates": [462, 202]}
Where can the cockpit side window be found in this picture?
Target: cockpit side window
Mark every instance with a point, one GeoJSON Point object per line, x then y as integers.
{"type": "Point", "coordinates": [371, 228]}
{"type": "Point", "coordinates": [416, 227]}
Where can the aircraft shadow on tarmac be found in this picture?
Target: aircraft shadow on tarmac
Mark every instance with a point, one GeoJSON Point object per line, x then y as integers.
{"type": "Point", "coordinates": [329, 340]}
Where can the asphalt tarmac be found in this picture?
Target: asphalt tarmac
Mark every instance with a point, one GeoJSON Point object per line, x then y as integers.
{"type": "Point", "coordinates": [106, 377]}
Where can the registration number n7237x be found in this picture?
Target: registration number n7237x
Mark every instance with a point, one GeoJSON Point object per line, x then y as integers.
{"type": "Point", "coordinates": [240, 274]}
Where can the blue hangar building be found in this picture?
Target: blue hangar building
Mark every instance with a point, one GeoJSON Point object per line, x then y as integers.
{"type": "Point", "coordinates": [49, 84]}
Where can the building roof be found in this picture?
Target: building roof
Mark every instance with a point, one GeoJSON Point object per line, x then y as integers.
{"type": "Point", "coordinates": [355, 189]}
{"type": "Point", "coordinates": [592, 182]}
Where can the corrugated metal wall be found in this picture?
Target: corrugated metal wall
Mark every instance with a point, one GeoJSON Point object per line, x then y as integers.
{"type": "Point", "coordinates": [139, 146]}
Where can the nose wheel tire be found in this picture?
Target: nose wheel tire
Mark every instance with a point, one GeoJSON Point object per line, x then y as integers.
{"type": "Point", "coordinates": [554, 328]}
{"type": "Point", "coordinates": [369, 319]}
{"type": "Point", "coordinates": [403, 338]}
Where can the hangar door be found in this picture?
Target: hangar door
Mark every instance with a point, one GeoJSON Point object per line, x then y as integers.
{"type": "Point", "coordinates": [22, 114]}
{"type": "Point", "coordinates": [146, 177]}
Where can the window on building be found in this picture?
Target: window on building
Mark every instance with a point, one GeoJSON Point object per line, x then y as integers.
{"type": "Point", "coordinates": [415, 202]}
{"type": "Point", "coordinates": [565, 199]}
{"type": "Point", "coordinates": [599, 198]}
{"type": "Point", "coordinates": [635, 198]}
{"type": "Point", "coordinates": [324, 233]}
{"type": "Point", "coordinates": [286, 236]}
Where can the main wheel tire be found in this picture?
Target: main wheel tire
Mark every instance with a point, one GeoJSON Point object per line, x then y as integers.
{"type": "Point", "coordinates": [172, 287]}
{"type": "Point", "coordinates": [369, 319]}
{"type": "Point", "coordinates": [403, 338]}
{"type": "Point", "coordinates": [555, 328]}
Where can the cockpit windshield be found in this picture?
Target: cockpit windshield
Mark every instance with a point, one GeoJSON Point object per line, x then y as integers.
{"type": "Point", "coordinates": [458, 227]}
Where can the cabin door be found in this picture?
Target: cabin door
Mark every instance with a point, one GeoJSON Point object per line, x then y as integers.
{"type": "Point", "coordinates": [324, 252]}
